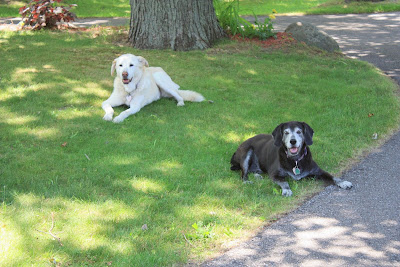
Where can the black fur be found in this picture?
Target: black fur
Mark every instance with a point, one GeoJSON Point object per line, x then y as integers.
{"type": "Point", "coordinates": [268, 154]}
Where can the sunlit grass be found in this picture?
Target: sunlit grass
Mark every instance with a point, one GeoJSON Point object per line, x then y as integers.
{"type": "Point", "coordinates": [157, 190]}
{"type": "Point", "coordinates": [355, 7]}
{"type": "Point", "coordinates": [265, 7]}
{"type": "Point", "coordinates": [121, 8]}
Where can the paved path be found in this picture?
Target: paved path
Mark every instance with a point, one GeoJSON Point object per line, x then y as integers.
{"type": "Point", "coordinates": [360, 227]}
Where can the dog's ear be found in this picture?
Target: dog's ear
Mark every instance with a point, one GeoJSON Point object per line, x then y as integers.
{"type": "Point", "coordinates": [277, 134]}
{"type": "Point", "coordinates": [113, 67]}
{"type": "Point", "coordinates": [143, 61]}
{"type": "Point", "coordinates": [308, 134]}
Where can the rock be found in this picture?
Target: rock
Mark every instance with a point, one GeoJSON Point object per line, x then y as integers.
{"type": "Point", "coordinates": [309, 34]}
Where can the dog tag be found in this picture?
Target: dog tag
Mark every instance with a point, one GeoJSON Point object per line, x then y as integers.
{"type": "Point", "coordinates": [296, 170]}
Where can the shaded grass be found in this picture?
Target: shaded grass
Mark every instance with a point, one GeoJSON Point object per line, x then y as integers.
{"type": "Point", "coordinates": [167, 166]}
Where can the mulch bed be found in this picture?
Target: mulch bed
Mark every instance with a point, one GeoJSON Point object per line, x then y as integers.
{"type": "Point", "coordinates": [282, 39]}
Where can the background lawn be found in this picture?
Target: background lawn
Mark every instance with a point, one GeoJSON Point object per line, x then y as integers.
{"type": "Point", "coordinates": [121, 8]}
{"type": "Point", "coordinates": [156, 190]}
{"type": "Point", "coordinates": [262, 7]}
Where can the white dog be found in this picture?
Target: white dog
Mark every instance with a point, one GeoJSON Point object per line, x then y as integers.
{"type": "Point", "coordinates": [137, 85]}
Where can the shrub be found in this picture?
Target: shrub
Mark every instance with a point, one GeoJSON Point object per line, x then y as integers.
{"type": "Point", "coordinates": [260, 30]}
{"type": "Point", "coordinates": [45, 14]}
{"type": "Point", "coordinates": [232, 23]}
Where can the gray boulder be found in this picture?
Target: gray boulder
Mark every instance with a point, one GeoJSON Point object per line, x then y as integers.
{"type": "Point", "coordinates": [309, 34]}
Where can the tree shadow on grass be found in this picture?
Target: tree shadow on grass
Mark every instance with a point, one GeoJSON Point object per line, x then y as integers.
{"type": "Point", "coordinates": [165, 167]}
{"type": "Point", "coordinates": [104, 181]}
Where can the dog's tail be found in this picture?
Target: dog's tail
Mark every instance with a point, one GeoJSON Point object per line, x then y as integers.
{"type": "Point", "coordinates": [235, 166]}
{"type": "Point", "coordinates": [192, 96]}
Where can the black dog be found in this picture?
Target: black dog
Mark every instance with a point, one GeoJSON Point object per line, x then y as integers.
{"type": "Point", "coordinates": [284, 153]}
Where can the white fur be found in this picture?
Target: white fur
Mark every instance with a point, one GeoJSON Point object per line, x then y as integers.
{"type": "Point", "coordinates": [293, 134]}
{"type": "Point", "coordinates": [342, 183]}
{"type": "Point", "coordinates": [147, 84]}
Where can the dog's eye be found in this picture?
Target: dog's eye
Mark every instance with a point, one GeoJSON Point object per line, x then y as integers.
{"type": "Point", "coordinates": [131, 65]}
{"type": "Point", "coordinates": [298, 132]}
{"type": "Point", "coordinates": [285, 132]}
{"type": "Point", "coordinates": [120, 65]}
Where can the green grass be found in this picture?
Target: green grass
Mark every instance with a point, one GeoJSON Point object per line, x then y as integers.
{"type": "Point", "coordinates": [340, 7]}
{"type": "Point", "coordinates": [121, 8]}
{"type": "Point", "coordinates": [85, 8]}
{"type": "Point", "coordinates": [167, 166]}
{"type": "Point", "coordinates": [263, 7]}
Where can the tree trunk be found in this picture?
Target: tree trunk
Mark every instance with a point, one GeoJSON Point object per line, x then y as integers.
{"type": "Point", "coordinates": [173, 24]}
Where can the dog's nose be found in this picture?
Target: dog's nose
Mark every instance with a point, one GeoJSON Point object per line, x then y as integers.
{"type": "Point", "coordinates": [125, 73]}
{"type": "Point", "coordinates": [293, 141]}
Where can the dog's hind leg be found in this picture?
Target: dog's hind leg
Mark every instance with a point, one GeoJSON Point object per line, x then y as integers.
{"type": "Point", "coordinates": [245, 166]}
{"type": "Point", "coordinates": [255, 167]}
{"type": "Point", "coordinates": [166, 84]}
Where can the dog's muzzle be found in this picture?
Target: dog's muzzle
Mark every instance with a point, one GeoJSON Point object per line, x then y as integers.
{"type": "Point", "coordinates": [125, 80]}
{"type": "Point", "coordinates": [294, 150]}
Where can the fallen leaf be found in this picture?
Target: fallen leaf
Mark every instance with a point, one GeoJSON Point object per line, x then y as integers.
{"type": "Point", "coordinates": [370, 115]}
{"type": "Point", "coordinates": [144, 227]}
{"type": "Point", "coordinates": [64, 144]}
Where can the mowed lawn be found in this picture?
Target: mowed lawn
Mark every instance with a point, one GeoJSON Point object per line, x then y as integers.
{"type": "Point", "coordinates": [157, 190]}
{"type": "Point", "coordinates": [122, 8]}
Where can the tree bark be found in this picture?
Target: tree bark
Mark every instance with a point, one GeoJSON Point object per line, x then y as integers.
{"type": "Point", "coordinates": [173, 24]}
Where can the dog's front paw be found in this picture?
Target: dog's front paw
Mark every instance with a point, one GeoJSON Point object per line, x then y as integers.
{"type": "Point", "coordinates": [287, 192]}
{"type": "Point", "coordinates": [345, 184]}
{"type": "Point", "coordinates": [118, 119]}
{"type": "Point", "coordinates": [108, 117]}
{"type": "Point", "coordinates": [180, 103]}
{"type": "Point", "coordinates": [247, 182]}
